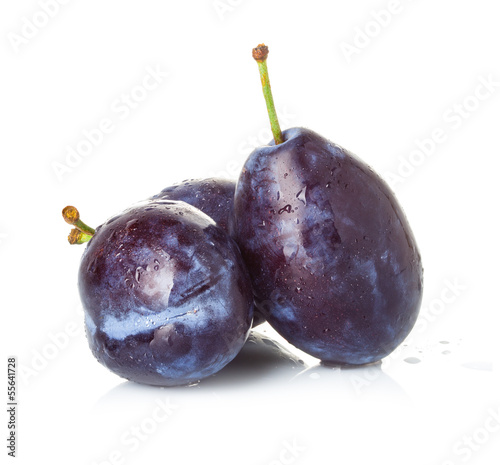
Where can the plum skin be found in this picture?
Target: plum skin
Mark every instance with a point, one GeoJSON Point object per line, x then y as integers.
{"type": "Point", "coordinates": [334, 264]}
{"type": "Point", "coordinates": [213, 196]}
{"type": "Point", "coordinates": [166, 295]}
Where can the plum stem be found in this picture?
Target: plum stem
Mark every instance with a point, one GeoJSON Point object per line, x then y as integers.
{"type": "Point", "coordinates": [72, 216]}
{"type": "Point", "coordinates": [78, 237]}
{"type": "Point", "coordinates": [260, 54]}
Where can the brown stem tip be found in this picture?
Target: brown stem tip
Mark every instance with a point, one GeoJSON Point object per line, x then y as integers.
{"type": "Point", "coordinates": [70, 214]}
{"type": "Point", "coordinates": [75, 236]}
{"type": "Point", "coordinates": [78, 237]}
{"type": "Point", "coordinates": [260, 53]}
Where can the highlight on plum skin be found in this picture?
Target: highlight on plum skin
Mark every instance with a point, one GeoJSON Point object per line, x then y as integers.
{"type": "Point", "coordinates": [213, 196]}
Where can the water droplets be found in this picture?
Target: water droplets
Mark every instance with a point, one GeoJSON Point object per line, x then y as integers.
{"type": "Point", "coordinates": [301, 195]}
{"type": "Point", "coordinates": [132, 224]}
{"type": "Point", "coordinates": [92, 266]}
{"type": "Point", "coordinates": [111, 237]}
{"type": "Point", "coordinates": [286, 208]}
{"type": "Point", "coordinates": [138, 273]}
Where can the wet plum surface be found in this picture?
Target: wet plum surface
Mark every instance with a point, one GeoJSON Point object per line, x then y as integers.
{"type": "Point", "coordinates": [213, 196]}
{"type": "Point", "coordinates": [334, 263]}
{"type": "Point", "coordinates": [166, 295]}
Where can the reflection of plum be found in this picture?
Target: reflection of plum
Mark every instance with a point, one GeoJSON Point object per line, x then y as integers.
{"type": "Point", "coordinates": [352, 381]}
{"type": "Point", "coordinates": [262, 363]}
{"type": "Point", "coordinates": [166, 295]}
{"type": "Point", "coordinates": [260, 358]}
{"type": "Point", "coordinates": [260, 351]}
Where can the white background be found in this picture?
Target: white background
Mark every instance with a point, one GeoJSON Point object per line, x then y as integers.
{"type": "Point", "coordinates": [379, 95]}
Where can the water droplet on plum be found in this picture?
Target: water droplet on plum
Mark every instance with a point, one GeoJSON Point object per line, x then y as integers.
{"type": "Point", "coordinates": [286, 208]}
{"type": "Point", "coordinates": [131, 223]}
{"type": "Point", "coordinates": [138, 273]}
{"type": "Point", "coordinates": [301, 195]}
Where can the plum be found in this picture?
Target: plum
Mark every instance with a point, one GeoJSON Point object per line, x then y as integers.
{"type": "Point", "coordinates": [334, 264]}
{"type": "Point", "coordinates": [166, 295]}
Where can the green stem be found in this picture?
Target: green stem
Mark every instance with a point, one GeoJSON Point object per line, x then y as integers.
{"type": "Point", "coordinates": [72, 216]}
{"type": "Point", "coordinates": [260, 55]}
{"type": "Point", "coordinates": [84, 228]}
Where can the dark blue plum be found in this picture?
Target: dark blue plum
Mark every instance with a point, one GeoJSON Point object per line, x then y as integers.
{"type": "Point", "coordinates": [213, 196]}
{"type": "Point", "coordinates": [166, 295]}
{"type": "Point", "coordinates": [334, 263]}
